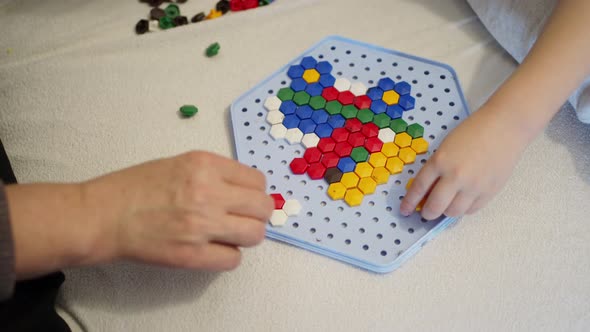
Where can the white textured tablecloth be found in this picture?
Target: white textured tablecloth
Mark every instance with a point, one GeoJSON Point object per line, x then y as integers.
{"type": "Point", "coordinates": [81, 95]}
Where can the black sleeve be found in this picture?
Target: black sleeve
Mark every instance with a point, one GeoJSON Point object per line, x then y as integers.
{"type": "Point", "coordinates": [7, 275]}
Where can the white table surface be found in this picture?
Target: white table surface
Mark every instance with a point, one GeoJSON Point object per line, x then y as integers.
{"type": "Point", "coordinates": [81, 95]}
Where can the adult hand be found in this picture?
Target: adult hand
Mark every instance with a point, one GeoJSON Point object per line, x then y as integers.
{"type": "Point", "coordinates": [190, 211]}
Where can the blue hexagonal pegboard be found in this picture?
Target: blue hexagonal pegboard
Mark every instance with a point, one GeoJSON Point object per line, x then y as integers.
{"type": "Point", "coordinates": [372, 235]}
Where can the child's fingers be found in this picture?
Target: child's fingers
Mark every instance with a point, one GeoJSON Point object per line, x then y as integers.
{"type": "Point", "coordinates": [478, 204]}
{"type": "Point", "coordinates": [440, 197]}
{"type": "Point", "coordinates": [421, 185]}
{"type": "Point", "coordinates": [460, 204]}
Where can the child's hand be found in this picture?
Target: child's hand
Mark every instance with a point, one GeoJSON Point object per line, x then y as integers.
{"type": "Point", "coordinates": [471, 165]}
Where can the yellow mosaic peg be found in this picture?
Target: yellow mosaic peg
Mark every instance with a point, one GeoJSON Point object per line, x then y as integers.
{"type": "Point", "coordinates": [409, 184]}
{"type": "Point", "coordinates": [407, 155]}
{"type": "Point", "coordinates": [394, 165]}
{"type": "Point", "coordinates": [311, 76]}
{"type": "Point", "coordinates": [420, 145]}
{"type": "Point", "coordinates": [377, 159]}
{"type": "Point", "coordinates": [336, 191]}
{"type": "Point", "coordinates": [390, 149]}
{"type": "Point", "coordinates": [367, 185]}
{"type": "Point", "coordinates": [403, 140]}
{"type": "Point", "coordinates": [350, 180]}
{"type": "Point", "coordinates": [354, 197]}
{"type": "Point", "coordinates": [380, 175]}
{"type": "Point", "coordinates": [214, 14]}
{"type": "Point", "coordinates": [390, 97]}
{"type": "Point", "coordinates": [364, 170]}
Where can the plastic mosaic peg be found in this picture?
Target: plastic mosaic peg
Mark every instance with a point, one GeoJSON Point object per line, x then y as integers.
{"type": "Point", "coordinates": [338, 132]}
{"type": "Point", "coordinates": [213, 49]}
{"type": "Point", "coordinates": [283, 210]}
{"type": "Point", "coordinates": [188, 110]}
